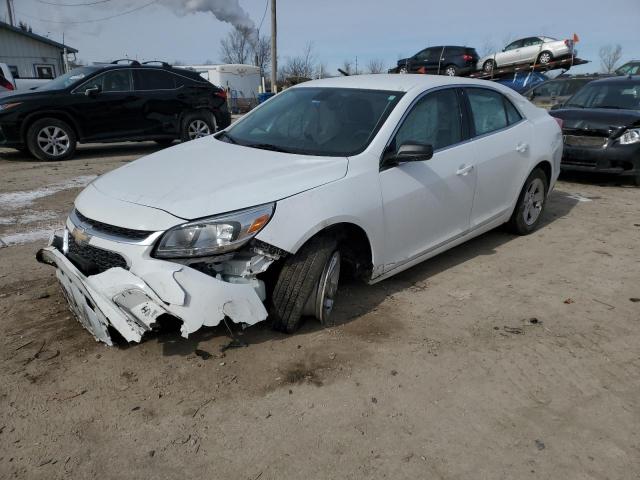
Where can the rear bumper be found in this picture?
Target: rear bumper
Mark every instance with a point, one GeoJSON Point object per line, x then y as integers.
{"type": "Point", "coordinates": [131, 300]}
{"type": "Point", "coordinates": [615, 159]}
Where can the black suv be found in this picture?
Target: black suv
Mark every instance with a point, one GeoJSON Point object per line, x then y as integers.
{"type": "Point", "coordinates": [109, 103]}
{"type": "Point", "coordinates": [447, 60]}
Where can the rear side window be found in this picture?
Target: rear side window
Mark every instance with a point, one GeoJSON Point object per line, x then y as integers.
{"type": "Point", "coordinates": [154, 80]}
{"type": "Point", "coordinates": [451, 51]}
{"type": "Point", "coordinates": [434, 120]}
{"type": "Point", "coordinates": [491, 110]}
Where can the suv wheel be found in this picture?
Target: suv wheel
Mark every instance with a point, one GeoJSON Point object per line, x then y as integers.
{"type": "Point", "coordinates": [306, 285]}
{"type": "Point", "coordinates": [527, 215]}
{"type": "Point", "coordinates": [403, 69]}
{"type": "Point", "coordinates": [198, 125]}
{"type": "Point", "coordinates": [451, 71]}
{"type": "Point", "coordinates": [50, 139]}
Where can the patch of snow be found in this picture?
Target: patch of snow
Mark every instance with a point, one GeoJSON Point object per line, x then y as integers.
{"type": "Point", "coordinates": [21, 199]}
{"type": "Point", "coordinates": [25, 237]}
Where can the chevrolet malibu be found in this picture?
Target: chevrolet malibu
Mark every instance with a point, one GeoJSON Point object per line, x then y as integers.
{"type": "Point", "coordinates": [363, 176]}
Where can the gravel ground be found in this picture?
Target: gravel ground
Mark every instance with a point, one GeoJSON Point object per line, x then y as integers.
{"type": "Point", "coordinates": [505, 358]}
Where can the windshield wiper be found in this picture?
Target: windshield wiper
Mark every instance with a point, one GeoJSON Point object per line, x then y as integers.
{"type": "Point", "coordinates": [613, 107]}
{"type": "Point", "coordinates": [228, 137]}
{"type": "Point", "coordinates": [268, 146]}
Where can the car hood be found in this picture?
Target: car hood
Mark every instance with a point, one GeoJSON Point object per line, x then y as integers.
{"type": "Point", "coordinates": [21, 95]}
{"type": "Point", "coordinates": [207, 177]}
{"type": "Point", "coordinates": [597, 119]}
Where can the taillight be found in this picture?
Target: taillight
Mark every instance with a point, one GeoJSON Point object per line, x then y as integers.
{"type": "Point", "coordinates": [6, 83]}
{"type": "Point", "coordinates": [560, 122]}
{"type": "Point", "coordinates": [467, 58]}
{"type": "Point", "coordinates": [222, 94]}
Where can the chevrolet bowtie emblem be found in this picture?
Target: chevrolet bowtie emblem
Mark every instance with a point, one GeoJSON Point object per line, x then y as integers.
{"type": "Point", "coordinates": [81, 236]}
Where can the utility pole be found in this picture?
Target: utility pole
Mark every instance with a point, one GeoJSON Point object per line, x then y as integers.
{"type": "Point", "coordinates": [10, 10]}
{"type": "Point", "coordinates": [274, 48]}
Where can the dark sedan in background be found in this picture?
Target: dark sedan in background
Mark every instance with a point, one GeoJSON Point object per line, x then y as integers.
{"type": "Point", "coordinates": [111, 103]}
{"type": "Point", "coordinates": [601, 127]}
{"type": "Point", "coordinates": [445, 60]}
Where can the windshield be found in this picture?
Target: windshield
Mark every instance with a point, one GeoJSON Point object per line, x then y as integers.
{"type": "Point", "coordinates": [619, 95]}
{"type": "Point", "coordinates": [68, 79]}
{"type": "Point", "coordinates": [630, 68]}
{"type": "Point", "coordinates": [316, 121]}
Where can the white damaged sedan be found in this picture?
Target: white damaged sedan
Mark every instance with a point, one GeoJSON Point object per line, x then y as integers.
{"type": "Point", "coordinates": [361, 175]}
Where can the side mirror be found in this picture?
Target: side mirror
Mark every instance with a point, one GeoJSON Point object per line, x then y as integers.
{"type": "Point", "coordinates": [93, 91]}
{"type": "Point", "coordinates": [409, 152]}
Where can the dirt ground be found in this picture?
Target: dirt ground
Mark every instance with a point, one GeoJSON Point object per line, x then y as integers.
{"type": "Point", "coordinates": [505, 358]}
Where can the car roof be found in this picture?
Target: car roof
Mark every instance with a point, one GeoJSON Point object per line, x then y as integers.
{"type": "Point", "coordinates": [620, 79]}
{"type": "Point", "coordinates": [392, 82]}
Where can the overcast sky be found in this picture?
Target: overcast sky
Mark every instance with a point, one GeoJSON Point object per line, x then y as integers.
{"type": "Point", "coordinates": [339, 29]}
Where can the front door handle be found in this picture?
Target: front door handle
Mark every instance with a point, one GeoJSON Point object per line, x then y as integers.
{"type": "Point", "coordinates": [463, 170]}
{"type": "Point", "coordinates": [522, 147]}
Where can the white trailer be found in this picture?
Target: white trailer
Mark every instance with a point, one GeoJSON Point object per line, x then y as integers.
{"type": "Point", "coordinates": [242, 81]}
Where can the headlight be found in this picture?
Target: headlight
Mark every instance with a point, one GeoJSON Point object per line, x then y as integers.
{"type": "Point", "coordinates": [630, 136]}
{"type": "Point", "coordinates": [214, 235]}
{"type": "Point", "coordinates": [7, 106]}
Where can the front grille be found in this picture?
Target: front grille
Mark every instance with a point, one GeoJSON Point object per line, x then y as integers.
{"type": "Point", "coordinates": [91, 260]}
{"type": "Point", "coordinates": [128, 233]}
{"type": "Point", "coordinates": [585, 141]}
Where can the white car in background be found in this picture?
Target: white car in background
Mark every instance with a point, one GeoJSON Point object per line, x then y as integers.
{"type": "Point", "coordinates": [366, 174]}
{"type": "Point", "coordinates": [541, 50]}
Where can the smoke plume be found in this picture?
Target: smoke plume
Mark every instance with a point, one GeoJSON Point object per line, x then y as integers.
{"type": "Point", "coordinates": [228, 11]}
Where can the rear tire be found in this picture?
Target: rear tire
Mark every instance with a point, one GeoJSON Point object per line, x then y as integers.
{"type": "Point", "coordinates": [529, 210]}
{"type": "Point", "coordinates": [50, 139]}
{"type": "Point", "coordinates": [451, 70]}
{"type": "Point", "coordinates": [297, 281]}
{"type": "Point", "coordinates": [545, 58]}
{"type": "Point", "coordinates": [197, 125]}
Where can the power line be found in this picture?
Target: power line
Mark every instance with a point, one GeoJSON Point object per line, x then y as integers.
{"type": "Point", "coordinates": [73, 4]}
{"type": "Point", "coordinates": [92, 20]}
{"type": "Point", "coordinates": [266, 6]}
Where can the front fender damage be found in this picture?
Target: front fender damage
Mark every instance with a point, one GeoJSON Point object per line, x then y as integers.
{"type": "Point", "coordinates": [131, 302]}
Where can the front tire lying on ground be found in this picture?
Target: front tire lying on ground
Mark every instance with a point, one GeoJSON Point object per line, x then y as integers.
{"type": "Point", "coordinates": [307, 284]}
{"type": "Point", "coordinates": [50, 139]}
{"type": "Point", "coordinates": [527, 215]}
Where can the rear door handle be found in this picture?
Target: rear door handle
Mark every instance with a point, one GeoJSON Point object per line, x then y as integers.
{"type": "Point", "coordinates": [522, 147]}
{"type": "Point", "coordinates": [464, 170]}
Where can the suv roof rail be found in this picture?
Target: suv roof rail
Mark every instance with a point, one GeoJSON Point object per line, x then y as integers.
{"type": "Point", "coordinates": [164, 64]}
{"type": "Point", "coordinates": [131, 62]}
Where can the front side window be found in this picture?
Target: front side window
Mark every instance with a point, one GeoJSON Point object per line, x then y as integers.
{"type": "Point", "coordinates": [316, 121]}
{"type": "Point", "coordinates": [154, 80]}
{"type": "Point", "coordinates": [490, 110]}
{"type": "Point", "coordinates": [434, 120]}
{"type": "Point", "coordinates": [113, 81]}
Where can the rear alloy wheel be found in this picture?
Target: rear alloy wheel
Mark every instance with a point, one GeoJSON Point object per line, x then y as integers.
{"type": "Point", "coordinates": [307, 285]}
{"type": "Point", "coordinates": [528, 212]}
{"type": "Point", "coordinates": [489, 66]}
{"type": "Point", "coordinates": [545, 58]}
{"type": "Point", "coordinates": [50, 139]}
{"type": "Point", "coordinates": [451, 71]}
{"type": "Point", "coordinates": [197, 126]}
{"type": "Point", "coordinates": [403, 69]}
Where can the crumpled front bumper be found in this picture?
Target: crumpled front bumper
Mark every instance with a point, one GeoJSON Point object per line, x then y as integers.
{"type": "Point", "coordinates": [131, 302]}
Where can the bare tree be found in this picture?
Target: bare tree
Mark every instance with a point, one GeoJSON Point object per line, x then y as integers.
{"type": "Point", "coordinates": [301, 66]}
{"type": "Point", "coordinates": [347, 67]}
{"type": "Point", "coordinates": [261, 51]}
{"type": "Point", "coordinates": [609, 56]}
{"type": "Point", "coordinates": [236, 46]}
{"type": "Point", "coordinates": [487, 48]}
{"type": "Point", "coordinates": [375, 65]}
{"type": "Point", "coordinates": [322, 71]}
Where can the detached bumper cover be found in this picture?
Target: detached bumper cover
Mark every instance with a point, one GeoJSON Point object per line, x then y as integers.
{"type": "Point", "coordinates": [617, 159]}
{"type": "Point", "coordinates": [128, 303]}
